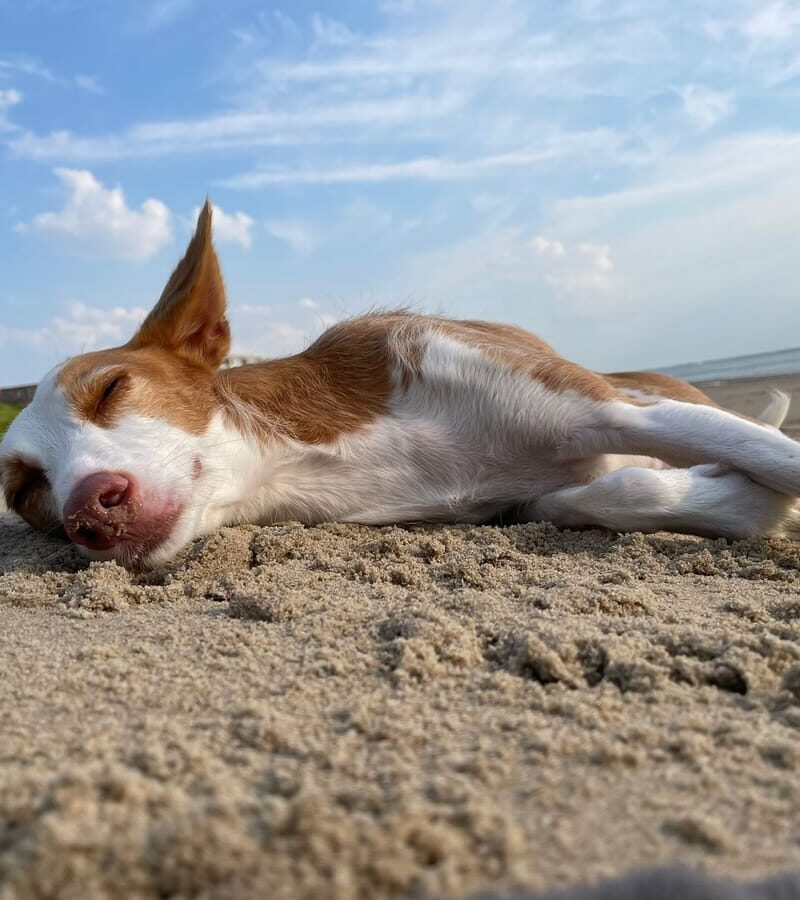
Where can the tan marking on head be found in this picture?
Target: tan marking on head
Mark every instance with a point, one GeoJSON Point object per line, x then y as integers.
{"type": "Point", "coordinates": [149, 382]}
{"type": "Point", "coordinates": [659, 385]}
{"type": "Point", "coordinates": [27, 492]}
{"type": "Point", "coordinates": [342, 382]}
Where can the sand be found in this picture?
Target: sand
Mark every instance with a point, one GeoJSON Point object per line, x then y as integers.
{"type": "Point", "coordinates": [749, 396]}
{"type": "Point", "coordinates": [342, 711]}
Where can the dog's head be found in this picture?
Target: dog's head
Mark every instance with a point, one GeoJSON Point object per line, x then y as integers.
{"type": "Point", "coordinates": [113, 447]}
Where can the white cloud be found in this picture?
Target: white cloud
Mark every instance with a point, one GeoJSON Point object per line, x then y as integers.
{"type": "Point", "coordinates": [545, 247]}
{"type": "Point", "coordinates": [97, 222]}
{"type": "Point", "coordinates": [238, 129]}
{"type": "Point", "coordinates": [300, 236]}
{"type": "Point", "coordinates": [773, 22]}
{"type": "Point", "coordinates": [160, 13]}
{"type": "Point", "coordinates": [9, 97]}
{"type": "Point", "coordinates": [25, 65]}
{"type": "Point", "coordinates": [83, 328]}
{"type": "Point", "coordinates": [255, 309]}
{"type": "Point", "coordinates": [741, 164]}
{"type": "Point", "coordinates": [276, 329]}
{"type": "Point", "coordinates": [90, 84]}
{"type": "Point", "coordinates": [270, 340]}
{"type": "Point", "coordinates": [705, 106]}
{"type": "Point", "coordinates": [329, 32]}
{"type": "Point", "coordinates": [233, 228]}
{"type": "Point", "coordinates": [500, 274]}
{"type": "Point", "coordinates": [588, 273]}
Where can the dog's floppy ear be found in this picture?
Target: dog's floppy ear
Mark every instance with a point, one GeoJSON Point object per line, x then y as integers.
{"type": "Point", "coordinates": [189, 319]}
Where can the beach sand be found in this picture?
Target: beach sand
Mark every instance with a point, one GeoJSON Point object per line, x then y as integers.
{"type": "Point", "coordinates": [750, 396]}
{"type": "Point", "coordinates": [344, 711]}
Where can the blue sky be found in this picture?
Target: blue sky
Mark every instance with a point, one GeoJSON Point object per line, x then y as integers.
{"type": "Point", "coordinates": [622, 178]}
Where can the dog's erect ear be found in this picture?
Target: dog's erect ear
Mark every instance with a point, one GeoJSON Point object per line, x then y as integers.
{"type": "Point", "coordinates": [189, 319]}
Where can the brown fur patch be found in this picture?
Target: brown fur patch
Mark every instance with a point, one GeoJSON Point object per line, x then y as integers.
{"type": "Point", "coordinates": [27, 492]}
{"type": "Point", "coordinates": [153, 383]}
{"type": "Point", "coordinates": [658, 385]}
{"type": "Point", "coordinates": [525, 354]}
{"type": "Point", "coordinates": [340, 383]}
{"type": "Point", "coordinates": [344, 380]}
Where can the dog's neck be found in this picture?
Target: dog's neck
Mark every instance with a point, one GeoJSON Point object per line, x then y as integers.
{"type": "Point", "coordinates": [314, 397]}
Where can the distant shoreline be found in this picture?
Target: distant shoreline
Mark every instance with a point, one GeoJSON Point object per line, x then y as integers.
{"type": "Point", "coordinates": [751, 365]}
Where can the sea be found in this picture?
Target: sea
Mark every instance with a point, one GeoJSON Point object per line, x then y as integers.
{"type": "Point", "coordinates": [779, 362]}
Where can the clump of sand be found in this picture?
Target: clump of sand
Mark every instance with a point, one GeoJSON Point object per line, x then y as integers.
{"type": "Point", "coordinates": [344, 711]}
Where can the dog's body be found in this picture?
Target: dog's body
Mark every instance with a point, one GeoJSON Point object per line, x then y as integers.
{"type": "Point", "coordinates": [387, 418]}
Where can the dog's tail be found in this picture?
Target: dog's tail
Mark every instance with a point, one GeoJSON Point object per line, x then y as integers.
{"type": "Point", "coordinates": [776, 410]}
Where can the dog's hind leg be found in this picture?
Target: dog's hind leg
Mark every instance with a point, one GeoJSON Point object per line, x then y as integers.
{"type": "Point", "coordinates": [698, 500]}
{"type": "Point", "coordinates": [685, 434]}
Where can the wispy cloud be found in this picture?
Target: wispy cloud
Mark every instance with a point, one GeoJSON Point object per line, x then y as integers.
{"type": "Point", "coordinates": [157, 14]}
{"type": "Point", "coordinates": [90, 84]}
{"type": "Point", "coordinates": [96, 221]}
{"type": "Point", "coordinates": [231, 228]}
{"type": "Point", "coordinates": [9, 97]}
{"type": "Point", "coordinates": [705, 106]}
{"type": "Point", "coordinates": [276, 329]}
{"type": "Point", "coordinates": [16, 64]}
{"type": "Point", "coordinates": [773, 22]}
{"type": "Point", "coordinates": [235, 130]}
{"type": "Point", "coordinates": [741, 163]}
{"type": "Point", "coordinates": [302, 237]}
{"type": "Point", "coordinates": [79, 329]}
{"type": "Point", "coordinates": [21, 66]}
{"type": "Point", "coordinates": [561, 280]}
{"type": "Point", "coordinates": [434, 168]}
{"type": "Point", "coordinates": [433, 88]}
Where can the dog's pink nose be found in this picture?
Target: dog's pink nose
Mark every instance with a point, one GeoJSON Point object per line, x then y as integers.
{"type": "Point", "coordinates": [100, 508]}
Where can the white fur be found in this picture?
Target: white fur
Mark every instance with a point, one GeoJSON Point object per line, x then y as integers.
{"type": "Point", "coordinates": [698, 500]}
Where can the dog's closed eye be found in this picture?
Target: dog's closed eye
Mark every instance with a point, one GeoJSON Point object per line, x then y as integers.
{"type": "Point", "coordinates": [110, 391]}
{"type": "Point", "coordinates": [110, 388]}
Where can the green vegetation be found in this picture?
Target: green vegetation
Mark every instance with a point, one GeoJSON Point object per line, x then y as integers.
{"type": "Point", "coordinates": [7, 413]}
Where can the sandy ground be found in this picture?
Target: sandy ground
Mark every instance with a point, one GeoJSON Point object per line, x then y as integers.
{"type": "Point", "coordinates": [356, 712]}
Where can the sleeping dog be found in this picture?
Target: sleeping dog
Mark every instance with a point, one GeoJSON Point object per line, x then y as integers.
{"type": "Point", "coordinates": [389, 417]}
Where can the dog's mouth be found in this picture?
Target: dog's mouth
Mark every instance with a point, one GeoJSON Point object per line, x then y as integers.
{"type": "Point", "coordinates": [130, 536]}
{"type": "Point", "coordinates": [134, 547]}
